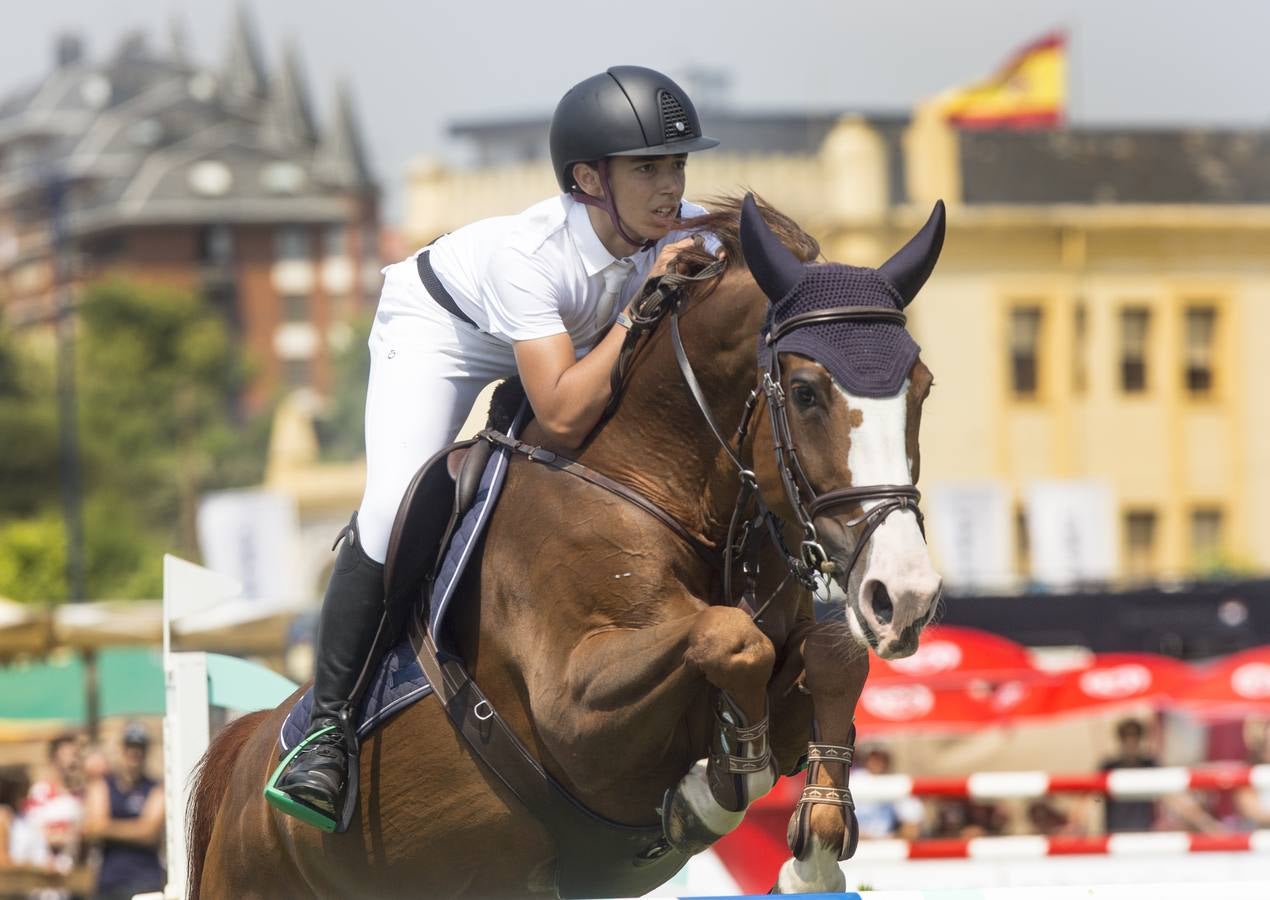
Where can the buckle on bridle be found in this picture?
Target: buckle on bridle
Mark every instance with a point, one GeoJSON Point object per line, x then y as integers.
{"type": "Point", "coordinates": [775, 393]}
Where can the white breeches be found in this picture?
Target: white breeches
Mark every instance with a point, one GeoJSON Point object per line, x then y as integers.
{"type": "Point", "coordinates": [426, 369]}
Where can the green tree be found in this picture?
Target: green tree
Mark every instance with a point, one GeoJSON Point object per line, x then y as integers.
{"type": "Point", "coordinates": [341, 431]}
{"type": "Point", "coordinates": [158, 382]}
{"type": "Point", "coordinates": [28, 430]}
{"type": "Point", "coordinates": [160, 377]}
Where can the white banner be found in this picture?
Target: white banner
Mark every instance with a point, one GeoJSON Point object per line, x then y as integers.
{"type": "Point", "coordinates": [253, 537]}
{"type": "Point", "coordinates": [1071, 532]}
{"type": "Point", "coordinates": [969, 528]}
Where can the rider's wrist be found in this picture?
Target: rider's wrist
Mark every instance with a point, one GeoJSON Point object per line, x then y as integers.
{"type": "Point", "coordinates": [624, 320]}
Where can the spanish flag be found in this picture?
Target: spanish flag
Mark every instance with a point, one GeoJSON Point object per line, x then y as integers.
{"type": "Point", "coordinates": [1029, 91]}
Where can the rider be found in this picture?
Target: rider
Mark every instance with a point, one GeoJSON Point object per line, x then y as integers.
{"type": "Point", "coordinates": [530, 294]}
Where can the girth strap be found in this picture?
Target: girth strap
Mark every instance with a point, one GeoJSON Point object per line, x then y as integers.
{"type": "Point", "coordinates": [587, 845]}
{"type": "Point", "coordinates": [563, 463]}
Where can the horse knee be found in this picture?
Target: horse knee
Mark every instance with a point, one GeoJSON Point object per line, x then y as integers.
{"type": "Point", "coordinates": [728, 647]}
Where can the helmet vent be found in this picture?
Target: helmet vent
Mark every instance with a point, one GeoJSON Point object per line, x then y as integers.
{"type": "Point", "coordinates": [676, 126]}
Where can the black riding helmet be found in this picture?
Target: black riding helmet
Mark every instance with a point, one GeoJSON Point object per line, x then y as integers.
{"type": "Point", "coordinates": [625, 111]}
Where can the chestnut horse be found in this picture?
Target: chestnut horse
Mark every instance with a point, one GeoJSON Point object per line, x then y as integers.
{"type": "Point", "coordinates": [603, 636]}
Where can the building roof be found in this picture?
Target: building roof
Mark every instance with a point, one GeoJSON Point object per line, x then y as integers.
{"type": "Point", "coordinates": [146, 136]}
{"type": "Point", "coordinates": [1078, 165]}
{"type": "Point", "coordinates": [1106, 166]}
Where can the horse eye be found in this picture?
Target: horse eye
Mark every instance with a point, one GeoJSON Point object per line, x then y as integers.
{"type": "Point", "coordinates": [804, 396]}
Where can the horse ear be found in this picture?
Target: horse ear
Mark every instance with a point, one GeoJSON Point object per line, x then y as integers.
{"type": "Point", "coordinates": [909, 268]}
{"type": "Point", "coordinates": [773, 265]}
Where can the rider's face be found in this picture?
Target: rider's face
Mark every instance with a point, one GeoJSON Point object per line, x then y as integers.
{"type": "Point", "coordinates": [647, 191]}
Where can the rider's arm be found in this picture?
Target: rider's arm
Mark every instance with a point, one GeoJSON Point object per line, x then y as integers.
{"type": "Point", "coordinates": [569, 395]}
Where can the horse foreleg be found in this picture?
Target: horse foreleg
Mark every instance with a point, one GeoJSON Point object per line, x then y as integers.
{"type": "Point", "coordinates": [710, 800]}
{"type": "Point", "coordinates": [823, 830]}
{"type": "Point", "coordinates": [636, 670]}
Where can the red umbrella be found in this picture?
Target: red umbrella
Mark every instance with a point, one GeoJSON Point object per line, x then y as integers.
{"type": "Point", "coordinates": [1114, 679]}
{"type": "Point", "coordinates": [949, 655]}
{"type": "Point", "coordinates": [910, 707]}
{"type": "Point", "coordinates": [1235, 686]}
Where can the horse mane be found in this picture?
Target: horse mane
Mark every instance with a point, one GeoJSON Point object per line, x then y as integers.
{"type": "Point", "coordinates": [724, 222]}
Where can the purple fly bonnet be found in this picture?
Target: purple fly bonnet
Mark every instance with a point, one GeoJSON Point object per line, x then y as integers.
{"type": "Point", "coordinates": [869, 357]}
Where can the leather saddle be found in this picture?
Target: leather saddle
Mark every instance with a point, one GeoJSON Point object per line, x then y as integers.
{"type": "Point", "coordinates": [434, 504]}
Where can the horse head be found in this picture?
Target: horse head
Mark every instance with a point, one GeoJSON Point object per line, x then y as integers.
{"type": "Point", "coordinates": [844, 389]}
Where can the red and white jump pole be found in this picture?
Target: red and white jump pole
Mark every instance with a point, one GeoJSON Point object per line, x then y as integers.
{"type": "Point", "coordinates": [1119, 784]}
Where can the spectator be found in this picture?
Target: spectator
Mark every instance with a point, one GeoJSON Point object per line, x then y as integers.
{"type": "Point", "coordinates": [1140, 815]}
{"type": "Point", "coordinates": [1131, 753]}
{"type": "Point", "coordinates": [1047, 819]}
{"type": "Point", "coordinates": [1252, 804]}
{"type": "Point", "coordinates": [886, 818]}
{"type": "Point", "coordinates": [54, 810]}
{"type": "Point", "coordinates": [14, 784]}
{"type": "Point", "coordinates": [124, 813]}
{"type": "Point", "coordinates": [960, 817]}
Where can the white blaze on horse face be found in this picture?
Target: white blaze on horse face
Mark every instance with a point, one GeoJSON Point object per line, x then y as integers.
{"type": "Point", "coordinates": [896, 557]}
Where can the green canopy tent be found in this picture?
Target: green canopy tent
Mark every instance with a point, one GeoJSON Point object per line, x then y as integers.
{"type": "Point", "coordinates": [129, 681]}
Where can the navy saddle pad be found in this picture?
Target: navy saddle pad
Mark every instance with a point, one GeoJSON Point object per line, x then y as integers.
{"type": "Point", "coordinates": [399, 680]}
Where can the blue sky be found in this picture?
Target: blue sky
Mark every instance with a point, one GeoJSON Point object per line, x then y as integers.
{"type": "Point", "coordinates": [416, 66]}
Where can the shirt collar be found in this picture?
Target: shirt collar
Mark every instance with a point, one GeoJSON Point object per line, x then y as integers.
{"type": "Point", "coordinates": [595, 256]}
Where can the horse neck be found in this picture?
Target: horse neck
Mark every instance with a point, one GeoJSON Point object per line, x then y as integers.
{"type": "Point", "coordinates": [658, 441]}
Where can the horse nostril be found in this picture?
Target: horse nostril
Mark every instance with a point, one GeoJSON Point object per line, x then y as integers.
{"type": "Point", "coordinates": [882, 607]}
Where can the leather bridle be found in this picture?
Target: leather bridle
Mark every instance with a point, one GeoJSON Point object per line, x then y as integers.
{"type": "Point", "coordinates": [812, 558]}
{"type": "Point", "coordinates": [752, 519]}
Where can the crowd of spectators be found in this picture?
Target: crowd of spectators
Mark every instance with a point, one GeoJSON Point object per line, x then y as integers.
{"type": "Point", "coordinates": [1069, 815]}
{"type": "Point", "coordinates": [90, 824]}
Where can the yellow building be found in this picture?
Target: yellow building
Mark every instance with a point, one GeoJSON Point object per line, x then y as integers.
{"type": "Point", "coordinates": [1101, 311]}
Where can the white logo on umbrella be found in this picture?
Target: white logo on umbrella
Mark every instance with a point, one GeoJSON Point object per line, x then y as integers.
{"type": "Point", "coordinates": [898, 702]}
{"type": "Point", "coordinates": [1251, 681]}
{"type": "Point", "coordinates": [1118, 681]}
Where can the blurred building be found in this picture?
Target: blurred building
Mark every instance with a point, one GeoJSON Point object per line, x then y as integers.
{"type": "Point", "coordinates": [150, 165]}
{"type": "Point", "coordinates": [1096, 326]}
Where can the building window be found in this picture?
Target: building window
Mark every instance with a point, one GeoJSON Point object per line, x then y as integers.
{"type": "Point", "coordinates": [291, 242]}
{"type": "Point", "coordinates": [1206, 535]}
{"type": "Point", "coordinates": [1080, 370]}
{"type": "Point", "coordinates": [1025, 334]}
{"type": "Point", "coordinates": [216, 245]}
{"type": "Point", "coordinates": [295, 308]}
{"type": "Point", "coordinates": [1139, 529]}
{"type": "Point", "coordinates": [1201, 326]}
{"type": "Point", "coordinates": [297, 373]}
{"type": "Point", "coordinates": [334, 241]}
{"type": "Point", "coordinates": [1135, 323]}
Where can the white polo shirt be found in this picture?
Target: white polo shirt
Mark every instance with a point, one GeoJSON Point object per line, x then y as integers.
{"type": "Point", "coordinates": [538, 273]}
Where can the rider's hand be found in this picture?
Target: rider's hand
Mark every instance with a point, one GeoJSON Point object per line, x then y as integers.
{"type": "Point", "coordinates": [667, 256]}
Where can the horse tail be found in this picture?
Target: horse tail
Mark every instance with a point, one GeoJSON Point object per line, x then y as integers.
{"type": "Point", "coordinates": [209, 781]}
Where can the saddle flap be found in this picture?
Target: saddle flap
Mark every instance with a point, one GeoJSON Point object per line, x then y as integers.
{"type": "Point", "coordinates": [423, 517]}
{"type": "Point", "coordinates": [471, 466]}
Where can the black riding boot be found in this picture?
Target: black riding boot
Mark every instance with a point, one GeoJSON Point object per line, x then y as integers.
{"type": "Point", "coordinates": [352, 610]}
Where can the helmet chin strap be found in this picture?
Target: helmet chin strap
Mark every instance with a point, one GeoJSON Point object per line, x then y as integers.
{"type": "Point", "coordinates": [607, 205]}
